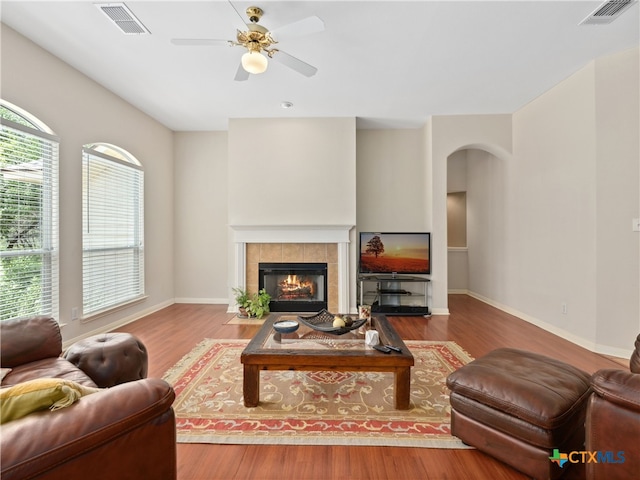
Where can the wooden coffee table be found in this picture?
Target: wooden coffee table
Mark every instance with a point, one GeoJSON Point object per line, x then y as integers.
{"type": "Point", "coordinates": [310, 350]}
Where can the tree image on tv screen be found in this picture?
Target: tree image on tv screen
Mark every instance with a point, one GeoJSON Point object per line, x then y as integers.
{"type": "Point", "coordinates": [375, 246]}
{"type": "Point", "coordinates": [403, 253]}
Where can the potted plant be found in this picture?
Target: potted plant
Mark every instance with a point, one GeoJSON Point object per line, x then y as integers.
{"type": "Point", "coordinates": [258, 305]}
{"type": "Point", "coordinates": [242, 300]}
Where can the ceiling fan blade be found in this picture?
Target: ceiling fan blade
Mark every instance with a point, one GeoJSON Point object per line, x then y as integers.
{"type": "Point", "coordinates": [306, 26]}
{"type": "Point", "coordinates": [241, 74]}
{"type": "Point", "coordinates": [295, 63]}
{"type": "Point", "coordinates": [239, 21]}
{"type": "Point", "coordinates": [204, 42]}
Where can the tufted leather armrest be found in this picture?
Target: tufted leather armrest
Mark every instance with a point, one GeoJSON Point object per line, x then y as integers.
{"type": "Point", "coordinates": [110, 358]}
{"type": "Point", "coordinates": [25, 340]}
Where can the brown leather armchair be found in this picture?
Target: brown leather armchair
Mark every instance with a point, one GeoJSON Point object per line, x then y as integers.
{"type": "Point", "coordinates": [125, 432]}
{"type": "Point", "coordinates": [613, 422]}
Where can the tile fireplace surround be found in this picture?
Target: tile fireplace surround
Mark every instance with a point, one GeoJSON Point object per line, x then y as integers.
{"type": "Point", "coordinates": [295, 252]}
{"type": "Point", "coordinates": [326, 244]}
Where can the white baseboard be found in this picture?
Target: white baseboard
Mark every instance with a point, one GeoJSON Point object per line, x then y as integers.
{"type": "Point", "coordinates": [613, 352]}
{"type": "Point", "coordinates": [119, 323]}
{"type": "Point", "coordinates": [589, 345]}
{"type": "Point", "coordinates": [204, 301]}
{"type": "Point", "coordinates": [462, 291]}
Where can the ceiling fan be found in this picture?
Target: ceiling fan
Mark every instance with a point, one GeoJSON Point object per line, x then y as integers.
{"type": "Point", "coordinates": [259, 41]}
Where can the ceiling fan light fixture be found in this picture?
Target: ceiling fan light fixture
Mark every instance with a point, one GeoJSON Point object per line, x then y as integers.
{"type": "Point", "coordinates": [254, 62]}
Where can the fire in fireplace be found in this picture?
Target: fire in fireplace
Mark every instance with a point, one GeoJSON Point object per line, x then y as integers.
{"type": "Point", "coordinates": [294, 287]}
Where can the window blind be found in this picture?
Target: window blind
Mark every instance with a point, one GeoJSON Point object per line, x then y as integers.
{"type": "Point", "coordinates": [112, 232]}
{"type": "Point", "coordinates": [29, 250]}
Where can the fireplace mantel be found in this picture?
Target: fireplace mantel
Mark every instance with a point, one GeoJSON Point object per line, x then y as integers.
{"type": "Point", "coordinates": [338, 234]}
{"type": "Point", "coordinates": [291, 233]}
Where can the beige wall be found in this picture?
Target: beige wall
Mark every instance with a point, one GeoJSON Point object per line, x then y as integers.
{"type": "Point", "coordinates": [292, 171]}
{"type": "Point", "coordinates": [488, 210]}
{"type": "Point", "coordinates": [558, 213]}
{"type": "Point", "coordinates": [457, 256]}
{"type": "Point", "coordinates": [457, 219]}
{"type": "Point", "coordinates": [553, 190]}
{"type": "Point", "coordinates": [390, 181]}
{"type": "Point", "coordinates": [457, 172]}
{"type": "Point", "coordinates": [617, 105]}
{"type": "Point", "coordinates": [80, 111]}
{"type": "Point", "coordinates": [201, 202]}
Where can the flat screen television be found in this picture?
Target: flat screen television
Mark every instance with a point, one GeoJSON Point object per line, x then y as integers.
{"type": "Point", "coordinates": [395, 253]}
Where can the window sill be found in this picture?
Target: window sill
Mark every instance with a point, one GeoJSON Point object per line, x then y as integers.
{"type": "Point", "coordinates": [108, 311]}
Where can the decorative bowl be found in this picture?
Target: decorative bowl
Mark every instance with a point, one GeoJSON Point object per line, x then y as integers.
{"type": "Point", "coordinates": [286, 326]}
{"type": "Point", "coordinates": [323, 322]}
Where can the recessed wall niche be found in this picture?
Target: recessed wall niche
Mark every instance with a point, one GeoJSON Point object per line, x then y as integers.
{"type": "Point", "coordinates": [457, 219]}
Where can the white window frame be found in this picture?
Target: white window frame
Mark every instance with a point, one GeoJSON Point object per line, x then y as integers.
{"type": "Point", "coordinates": [112, 229]}
{"type": "Point", "coordinates": [21, 167]}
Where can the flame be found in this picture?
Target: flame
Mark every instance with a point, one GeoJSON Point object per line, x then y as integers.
{"type": "Point", "coordinates": [293, 283]}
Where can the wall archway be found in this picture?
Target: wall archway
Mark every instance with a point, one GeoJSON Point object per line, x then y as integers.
{"type": "Point", "coordinates": [444, 136]}
{"type": "Point", "coordinates": [495, 150]}
{"type": "Point", "coordinates": [477, 174]}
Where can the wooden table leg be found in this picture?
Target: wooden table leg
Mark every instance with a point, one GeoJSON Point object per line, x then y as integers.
{"type": "Point", "coordinates": [251, 385]}
{"type": "Point", "coordinates": [402, 388]}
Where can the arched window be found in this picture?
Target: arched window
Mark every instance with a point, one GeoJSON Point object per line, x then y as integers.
{"type": "Point", "coordinates": [112, 228]}
{"type": "Point", "coordinates": [29, 248]}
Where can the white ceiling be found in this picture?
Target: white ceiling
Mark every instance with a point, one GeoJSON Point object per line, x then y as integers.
{"type": "Point", "coordinates": [390, 64]}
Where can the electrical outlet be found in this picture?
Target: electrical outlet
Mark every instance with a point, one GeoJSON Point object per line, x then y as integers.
{"type": "Point", "coordinates": [74, 313]}
{"type": "Point", "coordinates": [635, 225]}
{"type": "Point", "coordinates": [564, 308]}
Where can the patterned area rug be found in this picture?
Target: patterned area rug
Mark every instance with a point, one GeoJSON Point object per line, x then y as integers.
{"type": "Point", "coordinates": [313, 408]}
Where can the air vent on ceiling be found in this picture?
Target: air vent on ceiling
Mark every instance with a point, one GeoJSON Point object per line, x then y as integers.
{"type": "Point", "coordinates": [124, 18]}
{"type": "Point", "coordinates": [607, 12]}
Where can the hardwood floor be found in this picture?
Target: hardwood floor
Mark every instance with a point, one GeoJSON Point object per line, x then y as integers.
{"type": "Point", "coordinates": [479, 328]}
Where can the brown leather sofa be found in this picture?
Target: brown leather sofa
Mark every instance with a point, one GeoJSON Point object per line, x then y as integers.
{"type": "Point", "coordinates": [123, 432]}
{"type": "Point", "coordinates": [613, 422]}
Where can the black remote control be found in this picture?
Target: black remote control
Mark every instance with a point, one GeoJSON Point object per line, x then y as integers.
{"type": "Point", "coordinates": [382, 348]}
{"type": "Point", "coordinates": [395, 349]}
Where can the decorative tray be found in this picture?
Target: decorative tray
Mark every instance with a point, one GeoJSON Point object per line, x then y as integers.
{"type": "Point", "coordinates": [323, 322]}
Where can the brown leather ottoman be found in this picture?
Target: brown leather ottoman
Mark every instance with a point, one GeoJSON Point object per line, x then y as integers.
{"type": "Point", "coordinates": [518, 406]}
{"type": "Point", "coordinates": [110, 358]}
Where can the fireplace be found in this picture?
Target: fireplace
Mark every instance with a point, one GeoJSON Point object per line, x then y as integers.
{"type": "Point", "coordinates": [254, 244]}
{"type": "Point", "coordinates": [294, 287]}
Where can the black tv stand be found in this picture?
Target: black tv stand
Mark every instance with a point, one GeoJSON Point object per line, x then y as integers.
{"type": "Point", "coordinates": [395, 294]}
{"type": "Point", "coordinates": [391, 291]}
{"type": "Point", "coordinates": [389, 276]}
